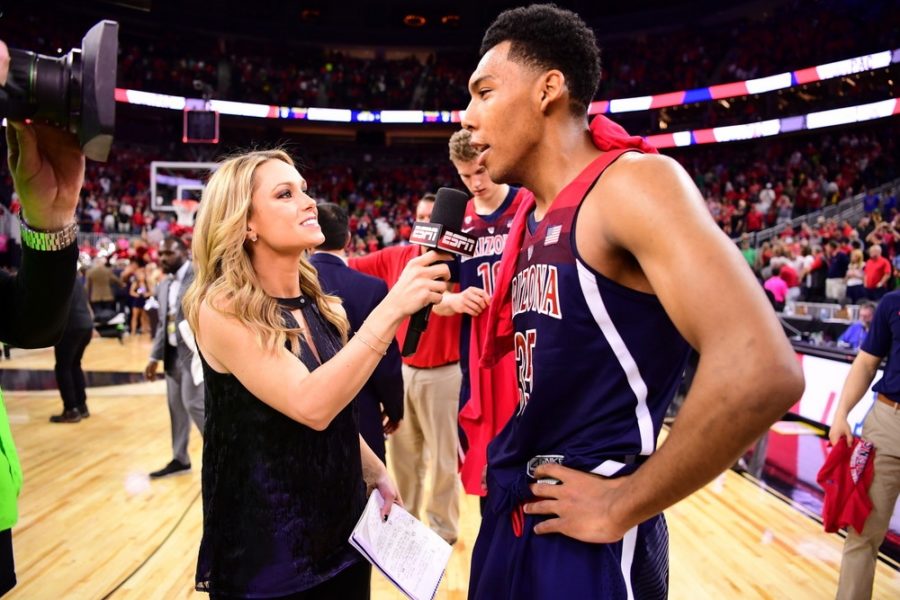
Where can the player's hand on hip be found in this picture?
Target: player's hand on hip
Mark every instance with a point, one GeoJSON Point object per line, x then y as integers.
{"type": "Point", "coordinates": [580, 505]}
{"type": "Point", "coordinates": [47, 167]}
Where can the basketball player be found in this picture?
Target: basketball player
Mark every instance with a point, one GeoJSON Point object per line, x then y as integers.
{"type": "Point", "coordinates": [603, 296]}
{"type": "Point", "coordinates": [487, 396]}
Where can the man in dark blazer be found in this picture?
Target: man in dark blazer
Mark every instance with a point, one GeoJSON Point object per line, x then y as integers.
{"type": "Point", "coordinates": [184, 395]}
{"type": "Point", "coordinates": [380, 401]}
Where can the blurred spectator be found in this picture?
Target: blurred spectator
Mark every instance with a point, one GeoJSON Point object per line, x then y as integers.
{"type": "Point", "coordinates": [99, 282]}
{"type": "Point", "coordinates": [777, 289]}
{"type": "Point", "coordinates": [855, 335]}
{"type": "Point", "coordinates": [855, 277]}
{"type": "Point", "coordinates": [837, 263]}
{"type": "Point", "coordinates": [877, 272]}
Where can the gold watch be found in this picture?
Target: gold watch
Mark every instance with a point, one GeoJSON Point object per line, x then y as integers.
{"type": "Point", "coordinates": [48, 241]}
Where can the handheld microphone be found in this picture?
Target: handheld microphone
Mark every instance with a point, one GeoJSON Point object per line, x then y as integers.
{"type": "Point", "coordinates": [442, 233]}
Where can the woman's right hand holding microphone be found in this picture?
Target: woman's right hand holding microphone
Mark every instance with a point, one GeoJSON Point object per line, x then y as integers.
{"type": "Point", "coordinates": [422, 282]}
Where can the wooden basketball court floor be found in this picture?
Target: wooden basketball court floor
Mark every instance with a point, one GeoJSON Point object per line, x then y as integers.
{"type": "Point", "coordinates": [93, 526]}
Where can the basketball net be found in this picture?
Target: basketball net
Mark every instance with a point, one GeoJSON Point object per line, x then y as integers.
{"type": "Point", "coordinates": [185, 210]}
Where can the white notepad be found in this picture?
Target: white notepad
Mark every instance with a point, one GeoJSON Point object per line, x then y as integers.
{"type": "Point", "coordinates": [408, 553]}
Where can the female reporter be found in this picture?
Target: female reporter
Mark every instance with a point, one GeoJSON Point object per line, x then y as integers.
{"type": "Point", "coordinates": [284, 469]}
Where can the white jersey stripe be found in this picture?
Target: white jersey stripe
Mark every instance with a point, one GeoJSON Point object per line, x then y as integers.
{"type": "Point", "coordinates": [628, 544]}
{"type": "Point", "coordinates": [608, 468]}
{"type": "Point", "coordinates": [594, 300]}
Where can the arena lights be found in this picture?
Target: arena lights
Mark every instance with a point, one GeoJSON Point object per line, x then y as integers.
{"type": "Point", "coordinates": [243, 109]}
{"type": "Point", "coordinates": [414, 21]}
{"type": "Point", "coordinates": [333, 115]}
{"type": "Point", "coordinates": [841, 68]}
{"type": "Point", "coordinates": [267, 111]}
{"type": "Point", "coordinates": [773, 127]}
{"type": "Point", "coordinates": [731, 133]}
{"type": "Point", "coordinates": [310, 14]}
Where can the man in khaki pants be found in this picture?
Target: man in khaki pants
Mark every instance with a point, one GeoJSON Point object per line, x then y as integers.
{"type": "Point", "coordinates": [428, 437]}
{"type": "Point", "coordinates": [882, 428]}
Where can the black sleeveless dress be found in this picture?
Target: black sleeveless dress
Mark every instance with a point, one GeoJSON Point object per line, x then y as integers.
{"type": "Point", "coordinates": [279, 498]}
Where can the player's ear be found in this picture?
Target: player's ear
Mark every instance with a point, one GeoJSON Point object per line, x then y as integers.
{"type": "Point", "coordinates": [552, 88]}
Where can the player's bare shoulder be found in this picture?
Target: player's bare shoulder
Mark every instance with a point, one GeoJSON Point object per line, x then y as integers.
{"type": "Point", "coordinates": [647, 177]}
{"type": "Point", "coordinates": [642, 192]}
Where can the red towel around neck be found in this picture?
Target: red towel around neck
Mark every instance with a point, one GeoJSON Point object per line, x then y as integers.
{"type": "Point", "coordinates": [607, 136]}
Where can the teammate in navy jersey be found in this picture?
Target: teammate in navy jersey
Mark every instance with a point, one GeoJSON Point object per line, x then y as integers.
{"type": "Point", "coordinates": [604, 297]}
{"type": "Point", "coordinates": [487, 396]}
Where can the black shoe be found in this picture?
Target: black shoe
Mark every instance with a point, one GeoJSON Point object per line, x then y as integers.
{"type": "Point", "coordinates": [83, 411]}
{"type": "Point", "coordinates": [173, 468]}
{"type": "Point", "coordinates": [70, 415]}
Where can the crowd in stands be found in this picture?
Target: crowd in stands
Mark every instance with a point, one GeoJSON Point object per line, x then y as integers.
{"type": "Point", "coordinates": [793, 35]}
{"type": "Point", "coordinates": [830, 261]}
{"type": "Point", "coordinates": [694, 58]}
{"type": "Point", "coordinates": [747, 186]}
{"type": "Point", "coordinates": [380, 194]}
{"type": "Point", "coordinates": [751, 186]}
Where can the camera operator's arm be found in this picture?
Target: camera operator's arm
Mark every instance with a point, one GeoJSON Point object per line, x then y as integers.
{"type": "Point", "coordinates": [48, 169]}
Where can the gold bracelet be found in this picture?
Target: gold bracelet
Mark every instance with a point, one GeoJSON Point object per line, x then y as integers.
{"type": "Point", "coordinates": [374, 335]}
{"type": "Point", "coordinates": [356, 336]}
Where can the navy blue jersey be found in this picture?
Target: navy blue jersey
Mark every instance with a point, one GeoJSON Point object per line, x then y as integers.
{"type": "Point", "coordinates": [478, 271]}
{"type": "Point", "coordinates": [597, 363]}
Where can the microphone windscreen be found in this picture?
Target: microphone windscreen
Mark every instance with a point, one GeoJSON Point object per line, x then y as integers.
{"type": "Point", "coordinates": [449, 208]}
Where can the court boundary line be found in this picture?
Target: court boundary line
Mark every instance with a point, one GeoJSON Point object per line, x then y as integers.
{"type": "Point", "coordinates": [155, 550]}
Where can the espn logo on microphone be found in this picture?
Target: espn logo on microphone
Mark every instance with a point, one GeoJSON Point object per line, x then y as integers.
{"type": "Point", "coordinates": [436, 235]}
{"type": "Point", "coordinates": [457, 243]}
{"type": "Point", "coordinates": [425, 234]}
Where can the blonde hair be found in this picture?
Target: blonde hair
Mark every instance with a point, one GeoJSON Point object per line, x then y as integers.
{"type": "Point", "coordinates": [461, 149]}
{"type": "Point", "coordinates": [856, 256]}
{"type": "Point", "coordinates": [224, 277]}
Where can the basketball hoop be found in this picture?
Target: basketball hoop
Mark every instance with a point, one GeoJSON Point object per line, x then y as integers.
{"type": "Point", "coordinates": [185, 209]}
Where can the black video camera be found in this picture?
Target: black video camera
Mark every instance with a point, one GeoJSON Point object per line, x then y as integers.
{"type": "Point", "coordinates": [75, 92]}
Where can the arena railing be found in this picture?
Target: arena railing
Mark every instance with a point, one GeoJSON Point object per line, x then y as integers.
{"type": "Point", "coordinates": [850, 209]}
{"type": "Point", "coordinates": [94, 240]}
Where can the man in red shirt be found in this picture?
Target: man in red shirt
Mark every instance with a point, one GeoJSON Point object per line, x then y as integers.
{"type": "Point", "coordinates": [877, 273]}
{"type": "Point", "coordinates": [790, 276]}
{"type": "Point", "coordinates": [431, 382]}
